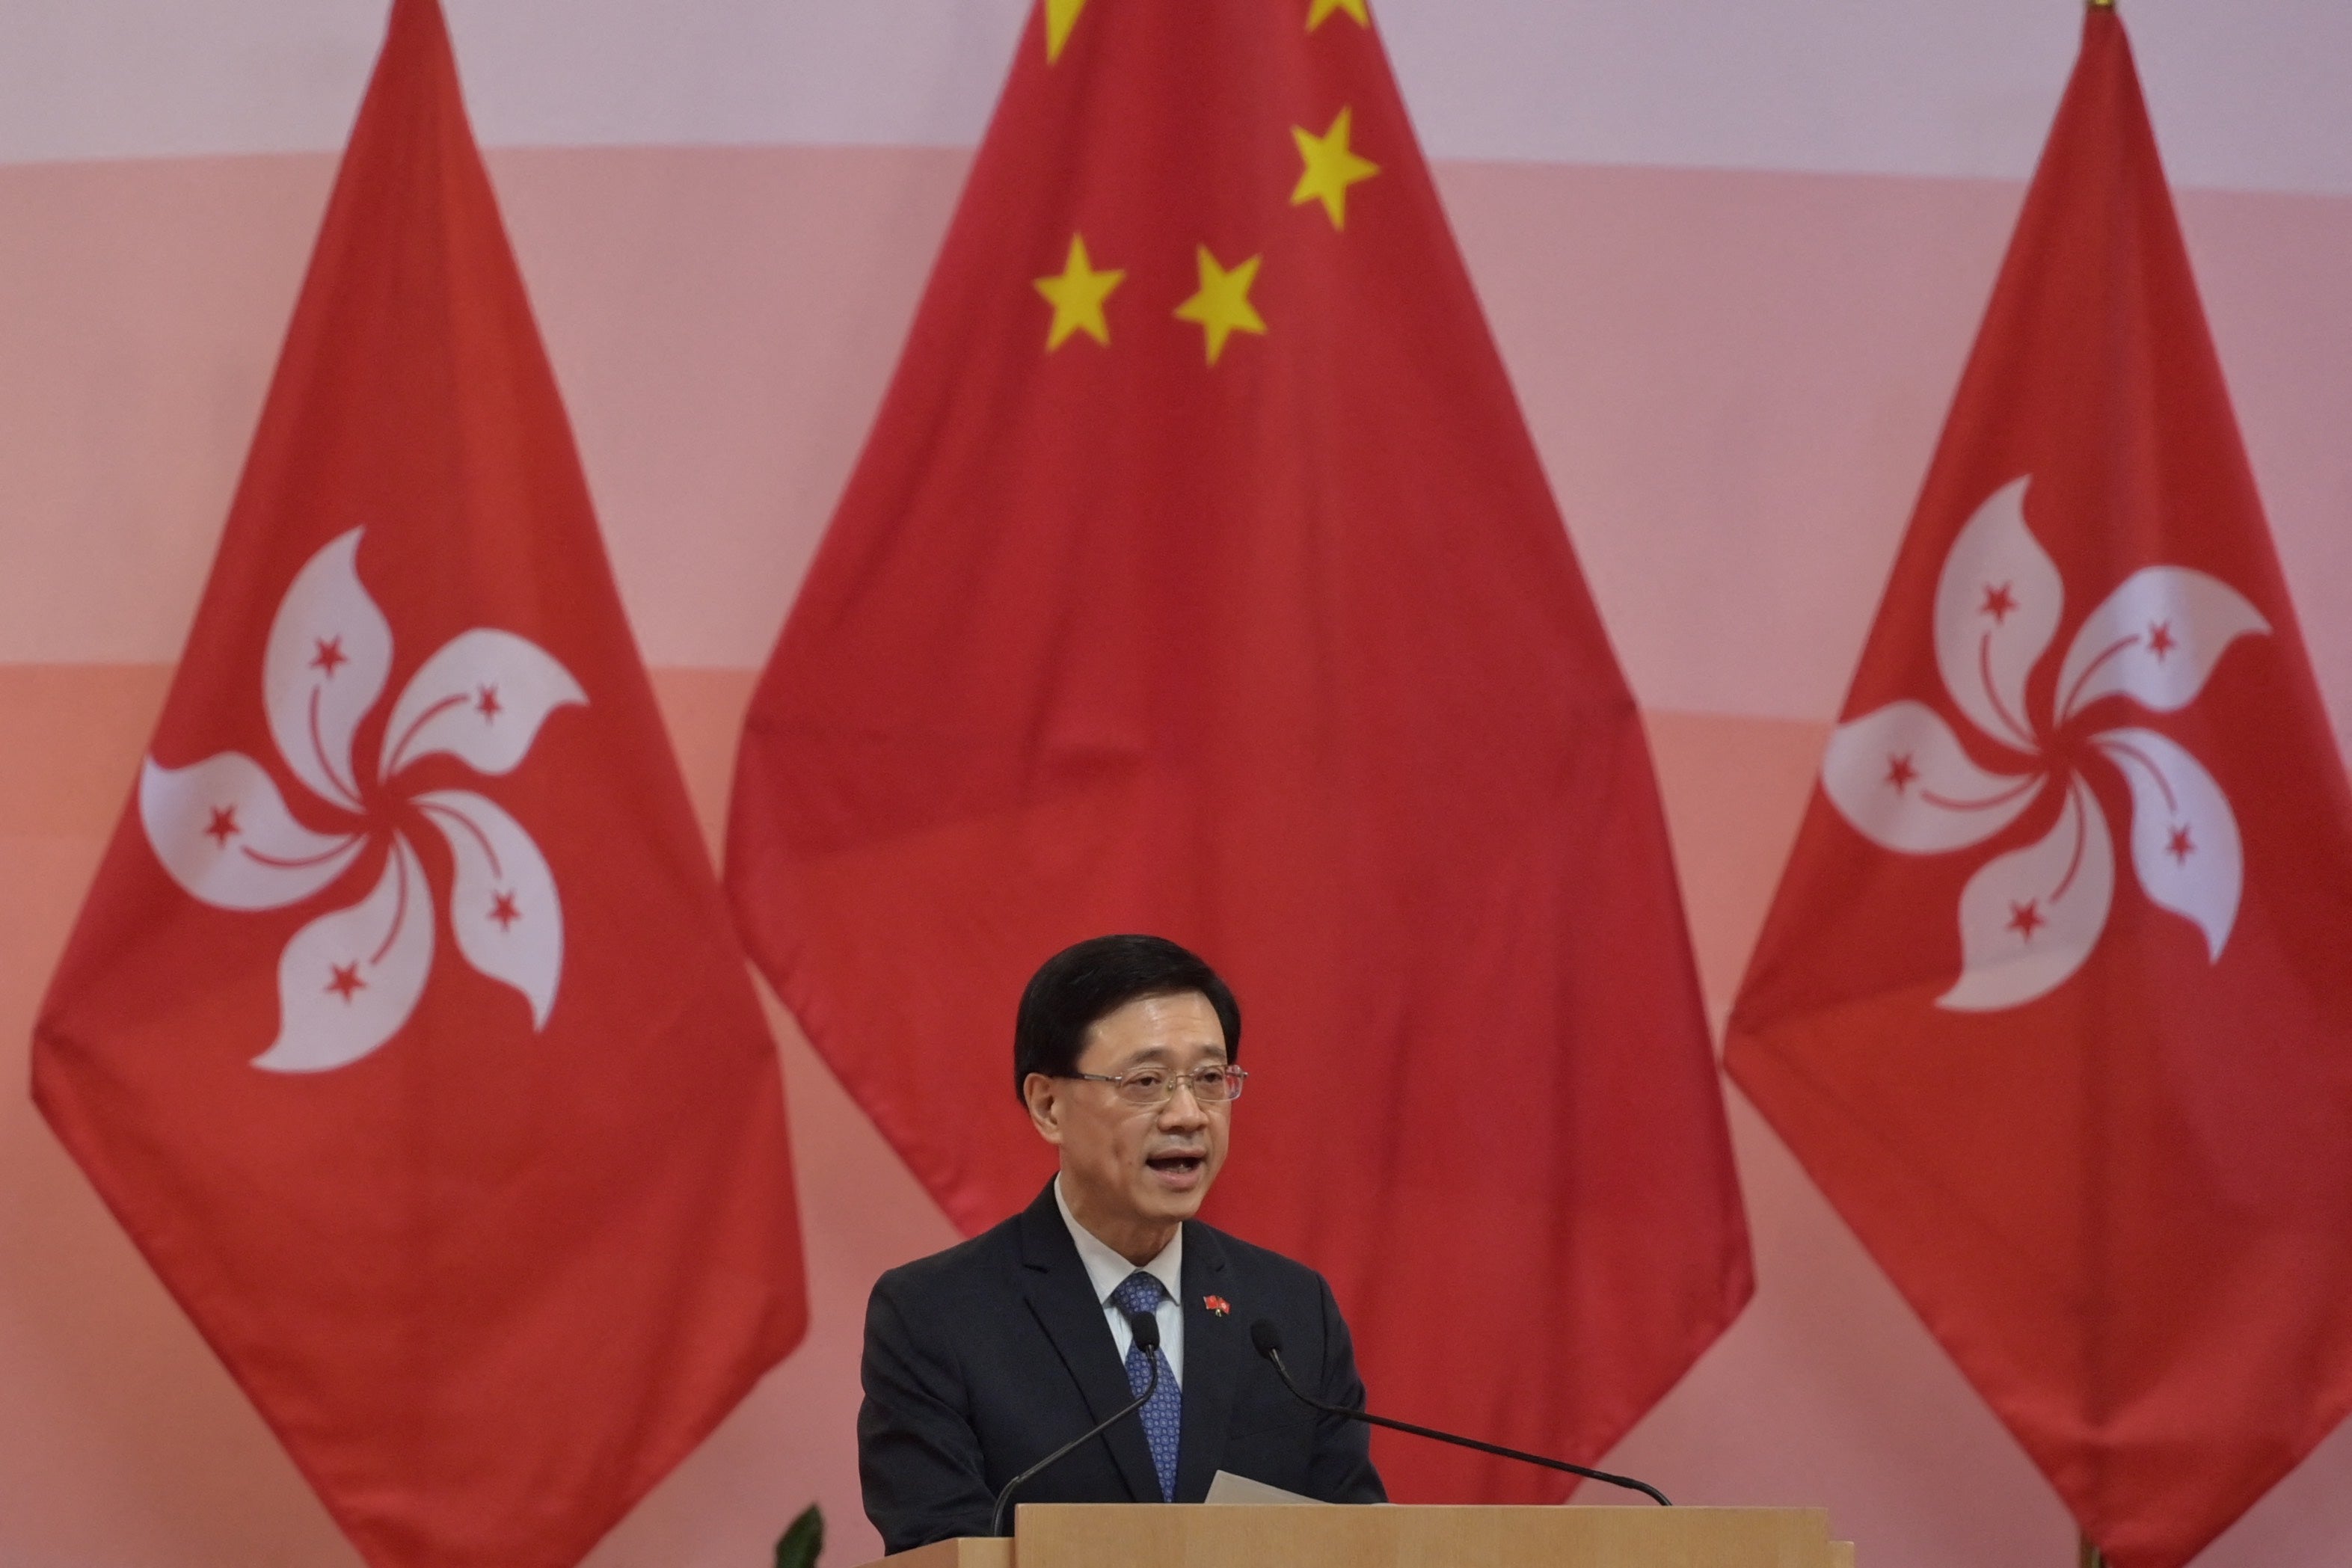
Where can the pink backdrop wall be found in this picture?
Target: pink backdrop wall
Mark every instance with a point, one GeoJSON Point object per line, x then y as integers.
{"type": "Point", "coordinates": [1734, 374]}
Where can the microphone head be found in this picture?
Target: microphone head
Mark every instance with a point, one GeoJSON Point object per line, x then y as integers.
{"type": "Point", "coordinates": [1265, 1338]}
{"type": "Point", "coordinates": [1147, 1331]}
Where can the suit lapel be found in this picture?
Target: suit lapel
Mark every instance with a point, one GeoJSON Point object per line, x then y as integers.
{"type": "Point", "coordinates": [1215, 1347]}
{"type": "Point", "coordinates": [1063, 1300]}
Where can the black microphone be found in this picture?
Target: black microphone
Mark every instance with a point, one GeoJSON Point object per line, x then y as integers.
{"type": "Point", "coordinates": [1146, 1329]}
{"type": "Point", "coordinates": [1268, 1339]}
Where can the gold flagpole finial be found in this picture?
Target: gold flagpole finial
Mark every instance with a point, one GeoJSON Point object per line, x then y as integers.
{"type": "Point", "coordinates": [2103, 5]}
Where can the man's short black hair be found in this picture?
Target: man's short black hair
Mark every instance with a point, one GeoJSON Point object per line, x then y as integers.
{"type": "Point", "coordinates": [1096, 977]}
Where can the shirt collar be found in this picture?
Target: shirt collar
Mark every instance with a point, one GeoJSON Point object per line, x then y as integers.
{"type": "Point", "coordinates": [1106, 1271]}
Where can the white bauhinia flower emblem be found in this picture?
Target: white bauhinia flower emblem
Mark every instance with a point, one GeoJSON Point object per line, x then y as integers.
{"type": "Point", "coordinates": [349, 980]}
{"type": "Point", "coordinates": [1902, 779]}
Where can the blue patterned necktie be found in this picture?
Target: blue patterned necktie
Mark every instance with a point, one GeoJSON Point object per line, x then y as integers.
{"type": "Point", "coordinates": [1163, 1415]}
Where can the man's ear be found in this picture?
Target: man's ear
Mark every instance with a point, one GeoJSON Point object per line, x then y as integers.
{"type": "Point", "coordinates": [1043, 1096]}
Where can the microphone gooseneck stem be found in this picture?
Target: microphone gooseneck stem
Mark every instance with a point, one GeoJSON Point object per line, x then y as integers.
{"type": "Point", "coordinates": [1146, 1335]}
{"type": "Point", "coordinates": [1274, 1356]}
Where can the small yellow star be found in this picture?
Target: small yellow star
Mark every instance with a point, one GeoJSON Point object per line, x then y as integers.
{"type": "Point", "coordinates": [1061, 15]}
{"type": "Point", "coordinates": [1331, 168]}
{"type": "Point", "coordinates": [1222, 307]}
{"type": "Point", "coordinates": [1322, 8]}
{"type": "Point", "coordinates": [1078, 296]}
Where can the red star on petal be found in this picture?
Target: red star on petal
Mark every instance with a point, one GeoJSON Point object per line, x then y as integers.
{"type": "Point", "coordinates": [1998, 602]}
{"type": "Point", "coordinates": [2177, 844]}
{"type": "Point", "coordinates": [1900, 772]}
{"type": "Point", "coordinates": [330, 654]}
{"type": "Point", "coordinates": [2160, 640]}
{"type": "Point", "coordinates": [487, 703]}
{"type": "Point", "coordinates": [347, 980]}
{"type": "Point", "coordinates": [2024, 920]}
{"type": "Point", "coordinates": [224, 825]}
{"type": "Point", "coordinates": [503, 910]}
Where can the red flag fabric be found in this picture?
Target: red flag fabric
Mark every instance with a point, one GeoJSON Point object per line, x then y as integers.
{"type": "Point", "coordinates": [2053, 1000]}
{"type": "Point", "coordinates": [405, 1029]}
{"type": "Point", "coordinates": [1199, 577]}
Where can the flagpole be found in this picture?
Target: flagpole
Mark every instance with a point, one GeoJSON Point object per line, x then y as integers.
{"type": "Point", "coordinates": [2087, 1554]}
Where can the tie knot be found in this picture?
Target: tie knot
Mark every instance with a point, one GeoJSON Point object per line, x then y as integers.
{"type": "Point", "coordinates": [1138, 1292]}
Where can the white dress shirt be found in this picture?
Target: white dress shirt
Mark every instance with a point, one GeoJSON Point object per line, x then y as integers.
{"type": "Point", "coordinates": [1106, 1271]}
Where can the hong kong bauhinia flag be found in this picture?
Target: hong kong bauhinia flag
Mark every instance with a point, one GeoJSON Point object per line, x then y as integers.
{"type": "Point", "coordinates": [2055, 1000]}
{"type": "Point", "coordinates": [405, 1031]}
{"type": "Point", "coordinates": [1199, 577]}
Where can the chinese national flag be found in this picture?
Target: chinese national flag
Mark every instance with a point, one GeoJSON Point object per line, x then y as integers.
{"type": "Point", "coordinates": [404, 1029]}
{"type": "Point", "coordinates": [1199, 577]}
{"type": "Point", "coordinates": [2054, 1001]}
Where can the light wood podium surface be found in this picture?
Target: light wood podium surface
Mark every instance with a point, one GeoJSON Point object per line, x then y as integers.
{"type": "Point", "coordinates": [1210, 1535]}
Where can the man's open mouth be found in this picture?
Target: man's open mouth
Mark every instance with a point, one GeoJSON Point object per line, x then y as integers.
{"type": "Point", "coordinates": [1178, 1162]}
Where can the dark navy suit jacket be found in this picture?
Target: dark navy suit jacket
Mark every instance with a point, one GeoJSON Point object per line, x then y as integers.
{"type": "Point", "coordinates": [982, 1359]}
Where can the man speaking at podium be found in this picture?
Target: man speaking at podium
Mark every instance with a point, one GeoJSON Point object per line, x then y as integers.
{"type": "Point", "coordinates": [981, 1360]}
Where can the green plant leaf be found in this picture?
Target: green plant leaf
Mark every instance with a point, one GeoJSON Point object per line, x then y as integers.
{"type": "Point", "coordinates": [803, 1541]}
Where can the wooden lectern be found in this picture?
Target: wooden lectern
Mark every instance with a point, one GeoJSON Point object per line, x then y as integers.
{"type": "Point", "coordinates": [1211, 1535]}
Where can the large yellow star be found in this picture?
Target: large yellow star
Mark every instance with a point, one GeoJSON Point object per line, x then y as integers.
{"type": "Point", "coordinates": [1078, 296]}
{"type": "Point", "coordinates": [1322, 8]}
{"type": "Point", "coordinates": [1222, 307]}
{"type": "Point", "coordinates": [1061, 15]}
{"type": "Point", "coordinates": [1331, 167]}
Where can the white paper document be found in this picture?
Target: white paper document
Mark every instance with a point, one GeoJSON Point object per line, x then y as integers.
{"type": "Point", "coordinates": [1227, 1487]}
